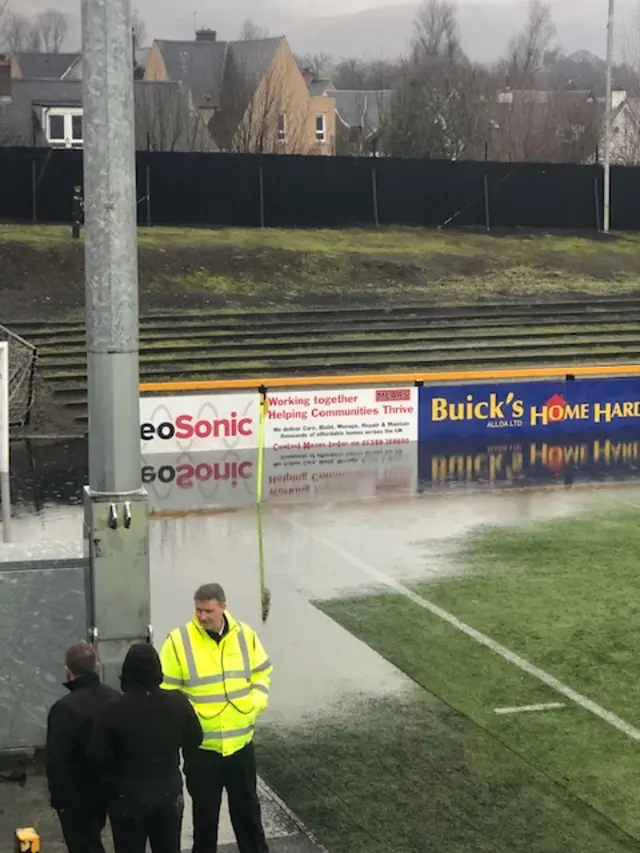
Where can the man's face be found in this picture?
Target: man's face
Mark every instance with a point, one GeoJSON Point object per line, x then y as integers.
{"type": "Point", "coordinates": [209, 614]}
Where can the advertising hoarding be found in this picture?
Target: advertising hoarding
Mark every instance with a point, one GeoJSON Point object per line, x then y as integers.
{"type": "Point", "coordinates": [352, 417]}
{"type": "Point", "coordinates": [497, 410]}
{"type": "Point", "coordinates": [199, 423]}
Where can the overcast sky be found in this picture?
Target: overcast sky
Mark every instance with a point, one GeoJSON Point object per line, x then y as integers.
{"type": "Point", "coordinates": [371, 27]}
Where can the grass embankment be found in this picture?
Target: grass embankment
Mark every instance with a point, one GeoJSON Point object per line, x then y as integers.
{"type": "Point", "coordinates": [451, 774]}
{"type": "Point", "coordinates": [41, 267]}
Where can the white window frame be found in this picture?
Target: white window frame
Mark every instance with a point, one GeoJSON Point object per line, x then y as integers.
{"type": "Point", "coordinates": [321, 135]}
{"type": "Point", "coordinates": [67, 114]}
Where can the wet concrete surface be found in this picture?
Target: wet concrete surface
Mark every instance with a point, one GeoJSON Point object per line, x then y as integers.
{"type": "Point", "coordinates": [314, 547]}
{"type": "Point", "coordinates": [28, 805]}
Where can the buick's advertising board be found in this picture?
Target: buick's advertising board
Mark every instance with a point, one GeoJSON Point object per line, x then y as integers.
{"type": "Point", "coordinates": [494, 411]}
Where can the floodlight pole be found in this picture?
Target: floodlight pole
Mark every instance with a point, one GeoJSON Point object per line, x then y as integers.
{"type": "Point", "coordinates": [116, 524]}
{"type": "Point", "coordinates": [608, 115]}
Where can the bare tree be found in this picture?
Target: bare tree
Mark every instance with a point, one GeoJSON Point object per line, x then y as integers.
{"type": "Point", "coordinates": [21, 33]}
{"type": "Point", "coordinates": [4, 8]}
{"type": "Point", "coordinates": [166, 119]}
{"type": "Point", "coordinates": [441, 110]}
{"type": "Point", "coordinates": [52, 26]}
{"type": "Point", "coordinates": [527, 48]}
{"type": "Point", "coordinates": [436, 30]}
{"type": "Point", "coordinates": [261, 116]}
{"type": "Point", "coordinates": [139, 28]}
{"type": "Point", "coordinates": [319, 63]}
{"type": "Point", "coordinates": [367, 75]}
{"type": "Point", "coordinates": [250, 31]}
{"type": "Point", "coordinates": [546, 126]}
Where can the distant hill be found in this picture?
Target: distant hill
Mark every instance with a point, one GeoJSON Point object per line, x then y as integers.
{"type": "Point", "coordinates": [384, 31]}
{"type": "Point", "coordinates": [486, 29]}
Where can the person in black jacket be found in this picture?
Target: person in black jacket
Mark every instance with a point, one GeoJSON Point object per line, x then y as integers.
{"type": "Point", "coordinates": [138, 741]}
{"type": "Point", "coordinates": [76, 792]}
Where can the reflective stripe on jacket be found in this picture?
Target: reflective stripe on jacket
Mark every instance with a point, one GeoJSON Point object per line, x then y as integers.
{"type": "Point", "coordinates": [227, 682]}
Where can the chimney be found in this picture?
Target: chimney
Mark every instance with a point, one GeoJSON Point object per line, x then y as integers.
{"type": "Point", "coordinates": [5, 78]}
{"type": "Point", "coordinates": [309, 76]}
{"type": "Point", "coordinates": [206, 35]}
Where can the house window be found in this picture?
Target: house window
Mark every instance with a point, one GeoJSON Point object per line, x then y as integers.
{"type": "Point", "coordinates": [56, 129]}
{"type": "Point", "coordinates": [282, 127]}
{"type": "Point", "coordinates": [321, 132]}
{"type": "Point", "coordinates": [76, 129]}
{"type": "Point", "coordinates": [63, 127]}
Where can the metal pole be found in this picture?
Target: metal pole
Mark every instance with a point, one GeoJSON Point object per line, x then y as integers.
{"type": "Point", "coordinates": [608, 112]}
{"type": "Point", "coordinates": [116, 507]}
{"type": "Point", "coordinates": [5, 481]}
{"type": "Point", "coordinates": [374, 185]}
{"type": "Point", "coordinates": [5, 487]}
{"type": "Point", "coordinates": [34, 191]}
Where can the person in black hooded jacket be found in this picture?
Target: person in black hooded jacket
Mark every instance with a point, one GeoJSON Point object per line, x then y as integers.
{"type": "Point", "coordinates": [137, 742]}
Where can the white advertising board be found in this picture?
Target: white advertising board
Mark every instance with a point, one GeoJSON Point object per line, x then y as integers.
{"type": "Point", "coordinates": [198, 424]}
{"type": "Point", "coordinates": [332, 418]}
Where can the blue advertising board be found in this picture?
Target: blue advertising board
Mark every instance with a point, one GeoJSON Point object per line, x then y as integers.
{"type": "Point", "coordinates": [552, 459]}
{"type": "Point", "coordinates": [495, 411]}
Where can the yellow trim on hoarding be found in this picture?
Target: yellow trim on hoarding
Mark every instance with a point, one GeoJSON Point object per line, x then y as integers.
{"type": "Point", "coordinates": [390, 378]}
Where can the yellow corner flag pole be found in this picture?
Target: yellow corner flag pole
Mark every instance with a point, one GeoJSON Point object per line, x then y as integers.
{"type": "Point", "coordinates": [265, 594]}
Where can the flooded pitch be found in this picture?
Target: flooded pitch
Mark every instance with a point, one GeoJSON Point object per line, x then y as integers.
{"type": "Point", "coordinates": [328, 526]}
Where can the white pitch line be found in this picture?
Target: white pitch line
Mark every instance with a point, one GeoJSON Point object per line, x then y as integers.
{"type": "Point", "coordinates": [578, 698]}
{"type": "Point", "coordinates": [519, 709]}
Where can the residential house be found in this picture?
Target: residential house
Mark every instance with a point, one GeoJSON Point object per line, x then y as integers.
{"type": "Point", "coordinates": [551, 126]}
{"type": "Point", "coordinates": [42, 66]}
{"type": "Point", "coordinates": [251, 94]}
{"type": "Point", "coordinates": [49, 113]}
{"type": "Point", "coordinates": [360, 115]}
{"type": "Point", "coordinates": [64, 66]}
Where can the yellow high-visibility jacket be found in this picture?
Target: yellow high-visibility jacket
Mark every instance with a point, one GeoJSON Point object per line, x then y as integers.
{"type": "Point", "coordinates": [227, 682]}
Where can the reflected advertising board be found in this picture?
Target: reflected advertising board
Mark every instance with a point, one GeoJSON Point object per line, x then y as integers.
{"type": "Point", "coordinates": [553, 459]}
{"type": "Point", "coordinates": [228, 479]}
{"type": "Point", "coordinates": [497, 410]}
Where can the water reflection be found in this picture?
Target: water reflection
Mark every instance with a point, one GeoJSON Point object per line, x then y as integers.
{"type": "Point", "coordinates": [50, 473]}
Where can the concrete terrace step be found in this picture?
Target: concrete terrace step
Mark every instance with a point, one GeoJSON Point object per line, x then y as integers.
{"type": "Point", "coordinates": [407, 338]}
{"type": "Point", "coordinates": [233, 318]}
{"type": "Point", "coordinates": [52, 362]}
{"type": "Point", "coordinates": [195, 341]}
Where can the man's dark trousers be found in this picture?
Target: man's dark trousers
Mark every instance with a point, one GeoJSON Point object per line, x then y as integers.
{"type": "Point", "coordinates": [81, 828]}
{"type": "Point", "coordinates": [208, 773]}
{"type": "Point", "coordinates": [133, 821]}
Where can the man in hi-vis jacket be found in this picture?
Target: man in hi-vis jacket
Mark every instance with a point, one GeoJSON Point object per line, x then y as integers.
{"type": "Point", "coordinates": [221, 665]}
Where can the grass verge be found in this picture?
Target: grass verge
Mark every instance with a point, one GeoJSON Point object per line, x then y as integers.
{"type": "Point", "coordinates": [41, 274]}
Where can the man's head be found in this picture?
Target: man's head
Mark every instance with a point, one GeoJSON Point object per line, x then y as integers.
{"type": "Point", "coordinates": [210, 602]}
{"type": "Point", "coordinates": [80, 660]}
